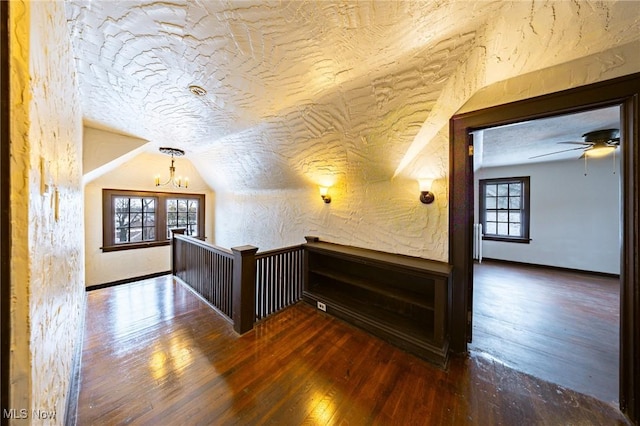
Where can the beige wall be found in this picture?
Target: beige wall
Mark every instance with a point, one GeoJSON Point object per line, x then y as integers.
{"type": "Point", "coordinates": [135, 174]}
{"type": "Point", "coordinates": [385, 216]}
{"type": "Point", "coordinates": [47, 265]}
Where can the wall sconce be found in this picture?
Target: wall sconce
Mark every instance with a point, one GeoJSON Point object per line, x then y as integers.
{"type": "Point", "coordinates": [426, 196]}
{"type": "Point", "coordinates": [324, 194]}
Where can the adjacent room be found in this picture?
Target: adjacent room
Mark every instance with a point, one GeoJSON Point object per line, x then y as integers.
{"type": "Point", "coordinates": [550, 305]}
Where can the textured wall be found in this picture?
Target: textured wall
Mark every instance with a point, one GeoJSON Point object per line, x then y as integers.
{"type": "Point", "coordinates": [381, 218]}
{"type": "Point", "coordinates": [135, 174]}
{"type": "Point", "coordinates": [47, 204]}
{"type": "Point", "coordinates": [294, 88]}
{"type": "Point", "coordinates": [357, 93]}
{"type": "Point", "coordinates": [365, 211]}
{"type": "Point", "coordinates": [385, 216]}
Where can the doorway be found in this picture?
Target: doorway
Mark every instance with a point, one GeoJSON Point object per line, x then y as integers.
{"type": "Point", "coordinates": [624, 91]}
{"type": "Point", "coordinates": [546, 277]}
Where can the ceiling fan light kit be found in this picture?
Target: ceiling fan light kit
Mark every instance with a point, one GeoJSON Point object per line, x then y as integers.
{"type": "Point", "coordinates": [597, 152]}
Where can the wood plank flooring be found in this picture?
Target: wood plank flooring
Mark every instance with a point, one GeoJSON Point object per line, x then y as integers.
{"type": "Point", "coordinates": [560, 326]}
{"type": "Point", "coordinates": [155, 354]}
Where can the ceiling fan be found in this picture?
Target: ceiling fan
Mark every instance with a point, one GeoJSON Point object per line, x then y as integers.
{"type": "Point", "coordinates": [597, 143]}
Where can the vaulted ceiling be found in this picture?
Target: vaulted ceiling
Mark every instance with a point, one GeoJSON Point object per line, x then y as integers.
{"type": "Point", "coordinates": [304, 89]}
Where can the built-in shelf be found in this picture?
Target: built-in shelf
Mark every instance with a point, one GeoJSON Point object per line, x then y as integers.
{"type": "Point", "coordinates": [401, 299]}
{"type": "Point", "coordinates": [390, 292]}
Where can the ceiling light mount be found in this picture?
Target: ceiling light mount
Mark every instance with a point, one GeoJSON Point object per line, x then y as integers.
{"type": "Point", "coordinates": [197, 90]}
{"type": "Point", "coordinates": [610, 136]}
{"type": "Point", "coordinates": [174, 152]}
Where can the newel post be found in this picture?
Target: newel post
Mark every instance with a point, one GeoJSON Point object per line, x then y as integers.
{"type": "Point", "coordinates": [174, 254]}
{"type": "Point", "coordinates": [244, 288]}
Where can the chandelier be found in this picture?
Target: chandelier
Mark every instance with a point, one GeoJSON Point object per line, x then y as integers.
{"type": "Point", "coordinates": [176, 183]}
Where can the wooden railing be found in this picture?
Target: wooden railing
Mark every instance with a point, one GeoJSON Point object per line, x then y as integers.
{"type": "Point", "coordinates": [206, 269]}
{"type": "Point", "coordinates": [240, 284]}
{"type": "Point", "coordinates": [278, 279]}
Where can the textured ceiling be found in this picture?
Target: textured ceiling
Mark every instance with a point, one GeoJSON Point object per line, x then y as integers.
{"type": "Point", "coordinates": [301, 91]}
{"type": "Point", "coordinates": [517, 143]}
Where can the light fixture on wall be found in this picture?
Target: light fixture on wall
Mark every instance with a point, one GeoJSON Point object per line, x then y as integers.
{"type": "Point", "coordinates": [426, 196]}
{"type": "Point", "coordinates": [324, 194]}
{"type": "Point", "coordinates": [176, 183]}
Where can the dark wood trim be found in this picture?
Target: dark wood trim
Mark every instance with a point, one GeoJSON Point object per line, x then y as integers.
{"type": "Point", "coordinates": [555, 268]}
{"type": "Point", "coordinates": [161, 217]}
{"type": "Point", "coordinates": [208, 246]}
{"type": "Point", "coordinates": [277, 251]}
{"type": "Point", "coordinates": [623, 92]}
{"type": "Point", "coordinates": [71, 412]}
{"type": "Point", "coordinates": [630, 263]}
{"type": "Point", "coordinates": [5, 218]}
{"type": "Point", "coordinates": [525, 208]}
{"type": "Point", "coordinates": [402, 299]}
{"type": "Point", "coordinates": [127, 280]}
{"type": "Point", "coordinates": [133, 246]}
{"type": "Point", "coordinates": [207, 269]}
{"type": "Point", "coordinates": [244, 288]}
{"type": "Point", "coordinates": [507, 239]}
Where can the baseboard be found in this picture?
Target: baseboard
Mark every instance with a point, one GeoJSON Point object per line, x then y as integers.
{"type": "Point", "coordinates": [557, 268]}
{"type": "Point", "coordinates": [127, 280]}
{"type": "Point", "coordinates": [71, 411]}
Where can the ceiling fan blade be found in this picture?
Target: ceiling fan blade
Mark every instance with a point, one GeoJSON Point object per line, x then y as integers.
{"type": "Point", "coordinates": [551, 153]}
{"type": "Point", "coordinates": [577, 143]}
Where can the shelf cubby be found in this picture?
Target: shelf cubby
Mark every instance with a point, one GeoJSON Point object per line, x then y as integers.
{"type": "Point", "coordinates": [401, 299]}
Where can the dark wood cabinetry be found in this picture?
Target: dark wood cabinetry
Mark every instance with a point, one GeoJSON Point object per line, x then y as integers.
{"type": "Point", "coordinates": [401, 299]}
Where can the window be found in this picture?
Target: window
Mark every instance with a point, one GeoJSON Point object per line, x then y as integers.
{"type": "Point", "coordinates": [136, 219]}
{"type": "Point", "coordinates": [504, 209]}
{"type": "Point", "coordinates": [182, 213]}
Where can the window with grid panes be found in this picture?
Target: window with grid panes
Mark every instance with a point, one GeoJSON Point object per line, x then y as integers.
{"type": "Point", "coordinates": [137, 219]}
{"type": "Point", "coordinates": [182, 213]}
{"type": "Point", "coordinates": [504, 209]}
{"type": "Point", "coordinates": [134, 219]}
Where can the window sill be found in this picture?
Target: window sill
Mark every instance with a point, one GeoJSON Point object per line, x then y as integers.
{"type": "Point", "coordinates": [507, 239]}
{"type": "Point", "coordinates": [132, 246]}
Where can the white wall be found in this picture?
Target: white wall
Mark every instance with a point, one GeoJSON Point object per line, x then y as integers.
{"type": "Point", "coordinates": [136, 174]}
{"type": "Point", "coordinates": [47, 265]}
{"type": "Point", "coordinates": [575, 219]}
{"type": "Point", "coordinates": [384, 216]}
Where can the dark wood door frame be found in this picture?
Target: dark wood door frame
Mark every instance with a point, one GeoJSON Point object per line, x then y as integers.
{"type": "Point", "coordinates": [622, 91]}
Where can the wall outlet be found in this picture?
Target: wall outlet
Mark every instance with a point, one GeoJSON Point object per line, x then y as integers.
{"type": "Point", "coordinates": [322, 306]}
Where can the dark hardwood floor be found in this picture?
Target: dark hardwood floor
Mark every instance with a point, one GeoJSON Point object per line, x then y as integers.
{"type": "Point", "coordinates": [155, 354]}
{"type": "Point", "coordinates": [560, 326]}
